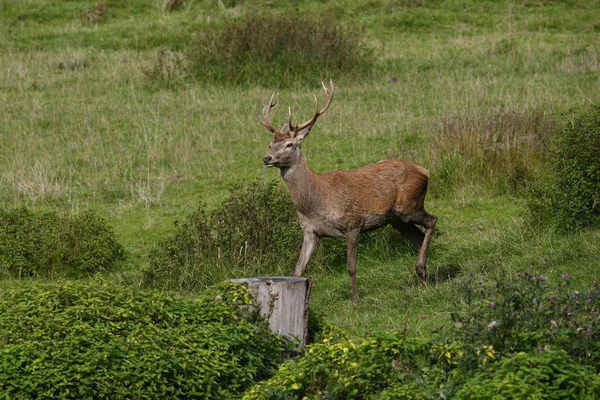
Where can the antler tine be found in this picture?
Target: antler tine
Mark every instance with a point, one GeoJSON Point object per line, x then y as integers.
{"type": "Point", "coordinates": [265, 119]}
{"type": "Point", "coordinates": [317, 114]}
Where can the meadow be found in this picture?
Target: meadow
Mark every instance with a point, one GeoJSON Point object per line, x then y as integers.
{"type": "Point", "coordinates": [99, 112]}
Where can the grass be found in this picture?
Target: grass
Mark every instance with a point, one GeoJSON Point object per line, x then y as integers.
{"type": "Point", "coordinates": [83, 127]}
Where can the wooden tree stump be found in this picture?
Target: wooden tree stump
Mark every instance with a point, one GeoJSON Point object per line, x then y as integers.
{"type": "Point", "coordinates": [284, 300]}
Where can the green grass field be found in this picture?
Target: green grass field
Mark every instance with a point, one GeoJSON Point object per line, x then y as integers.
{"type": "Point", "coordinates": [84, 126]}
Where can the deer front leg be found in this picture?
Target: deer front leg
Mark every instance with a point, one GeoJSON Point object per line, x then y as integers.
{"type": "Point", "coordinates": [308, 248]}
{"type": "Point", "coordinates": [352, 246]}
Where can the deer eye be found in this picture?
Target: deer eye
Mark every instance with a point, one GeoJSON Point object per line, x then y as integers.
{"type": "Point", "coordinates": [289, 145]}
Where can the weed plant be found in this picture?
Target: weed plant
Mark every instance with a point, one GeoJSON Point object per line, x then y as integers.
{"type": "Point", "coordinates": [48, 245]}
{"type": "Point", "coordinates": [528, 314]}
{"type": "Point", "coordinates": [279, 49]}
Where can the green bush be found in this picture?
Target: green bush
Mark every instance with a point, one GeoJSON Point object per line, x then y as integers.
{"type": "Point", "coordinates": [254, 232]}
{"type": "Point", "coordinates": [49, 245]}
{"type": "Point", "coordinates": [544, 375]}
{"type": "Point", "coordinates": [91, 340]}
{"type": "Point", "coordinates": [568, 192]}
{"type": "Point", "coordinates": [279, 49]}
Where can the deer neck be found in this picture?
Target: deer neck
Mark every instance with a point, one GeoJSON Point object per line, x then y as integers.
{"type": "Point", "coordinates": [303, 185]}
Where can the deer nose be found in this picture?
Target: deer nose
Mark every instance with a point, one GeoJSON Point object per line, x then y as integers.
{"type": "Point", "coordinates": [267, 159]}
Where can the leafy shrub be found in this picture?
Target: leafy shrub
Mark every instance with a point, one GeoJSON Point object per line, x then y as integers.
{"type": "Point", "coordinates": [278, 49]}
{"type": "Point", "coordinates": [527, 314]}
{"type": "Point", "coordinates": [387, 364]}
{"type": "Point", "coordinates": [500, 150]}
{"type": "Point", "coordinates": [49, 245]}
{"type": "Point", "coordinates": [543, 375]}
{"type": "Point", "coordinates": [568, 192]}
{"type": "Point", "coordinates": [74, 340]}
{"type": "Point", "coordinates": [255, 232]}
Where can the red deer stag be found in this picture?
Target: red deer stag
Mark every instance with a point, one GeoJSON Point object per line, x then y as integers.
{"type": "Point", "coordinates": [341, 204]}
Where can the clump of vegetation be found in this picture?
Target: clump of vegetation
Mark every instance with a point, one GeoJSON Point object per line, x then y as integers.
{"type": "Point", "coordinates": [170, 5]}
{"type": "Point", "coordinates": [279, 49]}
{"type": "Point", "coordinates": [501, 150]}
{"type": "Point", "coordinates": [49, 245]}
{"type": "Point", "coordinates": [254, 232]}
{"type": "Point", "coordinates": [93, 340]}
{"type": "Point", "coordinates": [567, 194]}
{"type": "Point", "coordinates": [541, 375]}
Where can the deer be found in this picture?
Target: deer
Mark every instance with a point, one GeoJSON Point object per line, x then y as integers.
{"type": "Point", "coordinates": [342, 204]}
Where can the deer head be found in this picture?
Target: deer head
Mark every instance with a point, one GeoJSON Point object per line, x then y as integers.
{"type": "Point", "coordinates": [285, 150]}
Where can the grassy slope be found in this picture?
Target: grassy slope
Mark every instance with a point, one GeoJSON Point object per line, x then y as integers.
{"type": "Point", "coordinates": [83, 127]}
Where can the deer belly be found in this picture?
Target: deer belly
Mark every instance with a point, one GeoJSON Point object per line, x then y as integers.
{"type": "Point", "coordinates": [374, 221]}
{"type": "Point", "coordinates": [323, 227]}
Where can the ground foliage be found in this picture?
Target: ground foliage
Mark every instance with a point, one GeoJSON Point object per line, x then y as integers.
{"type": "Point", "coordinates": [78, 340]}
{"type": "Point", "coordinates": [49, 245]}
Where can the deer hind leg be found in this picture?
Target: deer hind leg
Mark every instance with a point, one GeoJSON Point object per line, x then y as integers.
{"type": "Point", "coordinates": [428, 222]}
{"type": "Point", "coordinates": [352, 246]}
{"type": "Point", "coordinates": [309, 244]}
{"type": "Point", "coordinates": [411, 232]}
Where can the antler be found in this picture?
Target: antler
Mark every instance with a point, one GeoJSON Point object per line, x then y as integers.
{"type": "Point", "coordinates": [265, 118]}
{"type": "Point", "coordinates": [328, 96]}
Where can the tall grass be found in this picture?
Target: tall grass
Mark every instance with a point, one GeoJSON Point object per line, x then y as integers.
{"type": "Point", "coordinates": [500, 151]}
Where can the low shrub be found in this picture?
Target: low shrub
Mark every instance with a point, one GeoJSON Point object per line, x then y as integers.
{"type": "Point", "coordinates": [279, 49]}
{"type": "Point", "coordinates": [543, 375]}
{"type": "Point", "coordinates": [567, 194]}
{"type": "Point", "coordinates": [500, 150]}
{"type": "Point", "coordinates": [49, 245]}
{"type": "Point", "coordinates": [92, 340]}
{"type": "Point", "coordinates": [254, 232]}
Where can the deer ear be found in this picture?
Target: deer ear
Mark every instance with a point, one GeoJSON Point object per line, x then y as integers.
{"type": "Point", "coordinates": [302, 134]}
